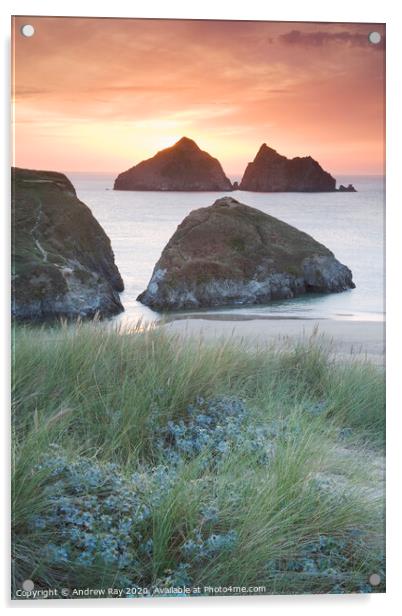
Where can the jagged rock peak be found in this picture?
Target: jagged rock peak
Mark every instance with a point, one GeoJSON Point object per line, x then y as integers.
{"type": "Point", "coordinates": [265, 149]}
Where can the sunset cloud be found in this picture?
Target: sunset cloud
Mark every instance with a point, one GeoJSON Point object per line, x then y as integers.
{"type": "Point", "coordinates": [320, 38]}
{"type": "Point", "coordinates": [100, 94]}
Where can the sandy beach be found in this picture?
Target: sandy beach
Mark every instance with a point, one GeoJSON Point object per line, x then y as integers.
{"type": "Point", "coordinates": [362, 339]}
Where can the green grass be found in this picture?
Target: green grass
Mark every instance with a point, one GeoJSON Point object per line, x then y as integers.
{"type": "Point", "coordinates": [103, 394]}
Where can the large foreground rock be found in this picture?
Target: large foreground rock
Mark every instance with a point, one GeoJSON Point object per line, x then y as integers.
{"type": "Point", "coordinates": [230, 253]}
{"type": "Point", "coordinates": [272, 172]}
{"type": "Point", "coordinates": [182, 167]}
{"type": "Point", "coordinates": [63, 264]}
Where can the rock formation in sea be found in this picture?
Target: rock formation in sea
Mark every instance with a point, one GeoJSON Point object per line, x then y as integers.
{"type": "Point", "coordinates": [182, 167]}
{"type": "Point", "coordinates": [62, 260]}
{"type": "Point", "coordinates": [230, 253]}
{"type": "Point", "coordinates": [348, 188]}
{"type": "Point", "coordinates": [272, 172]}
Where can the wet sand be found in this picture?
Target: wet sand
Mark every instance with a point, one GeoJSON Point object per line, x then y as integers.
{"type": "Point", "coordinates": [362, 339]}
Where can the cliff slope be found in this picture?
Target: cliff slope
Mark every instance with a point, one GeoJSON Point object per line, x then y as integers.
{"type": "Point", "coordinates": [63, 264]}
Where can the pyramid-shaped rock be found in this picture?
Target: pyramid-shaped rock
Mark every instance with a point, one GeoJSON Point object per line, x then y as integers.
{"type": "Point", "coordinates": [182, 167]}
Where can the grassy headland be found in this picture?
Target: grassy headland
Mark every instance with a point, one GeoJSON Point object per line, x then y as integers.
{"type": "Point", "coordinates": [145, 461]}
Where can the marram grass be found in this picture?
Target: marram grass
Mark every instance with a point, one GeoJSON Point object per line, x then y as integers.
{"type": "Point", "coordinates": [143, 461]}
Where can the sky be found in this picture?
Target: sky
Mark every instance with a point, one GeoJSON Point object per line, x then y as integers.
{"type": "Point", "coordinates": [101, 95]}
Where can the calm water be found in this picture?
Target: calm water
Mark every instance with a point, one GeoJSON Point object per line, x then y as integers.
{"type": "Point", "coordinates": [140, 224]}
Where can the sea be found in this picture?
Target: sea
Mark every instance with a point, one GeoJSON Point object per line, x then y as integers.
{"type": "Point", "coordinates": [352, 225]}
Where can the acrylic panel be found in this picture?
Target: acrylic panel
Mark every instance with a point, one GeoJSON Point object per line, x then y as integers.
{"type": "Point", "coordinates": [198, 401]}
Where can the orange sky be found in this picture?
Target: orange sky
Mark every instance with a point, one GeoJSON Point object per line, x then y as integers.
{"type": "Point", "coordinates": [103, 94]}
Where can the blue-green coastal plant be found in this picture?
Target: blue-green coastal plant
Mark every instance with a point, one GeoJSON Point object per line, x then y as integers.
{"type": "Point", "coordinates": [96, 516]}
{"type": "Point", "coordinates": [215, 428]}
